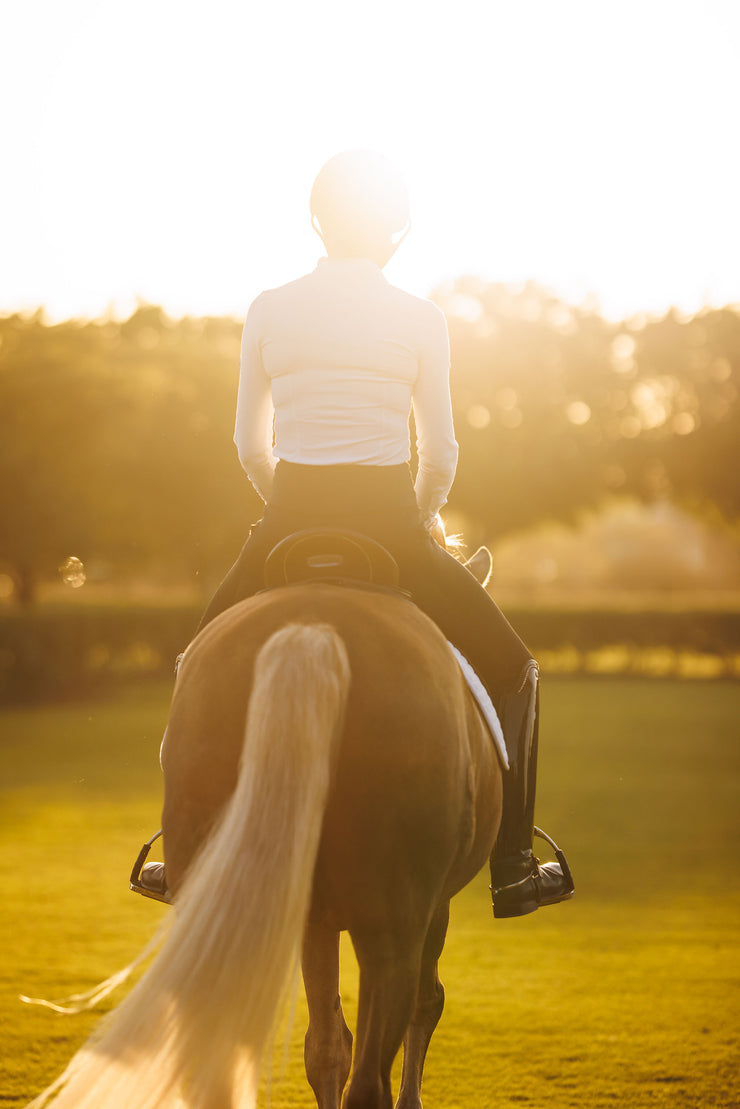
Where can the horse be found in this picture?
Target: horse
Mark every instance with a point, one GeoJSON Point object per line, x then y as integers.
{"type": "Point", "coordinates": [326, 769]}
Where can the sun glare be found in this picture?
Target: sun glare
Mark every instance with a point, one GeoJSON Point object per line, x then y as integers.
{"type": "Point", "coordinates": [566, 144]}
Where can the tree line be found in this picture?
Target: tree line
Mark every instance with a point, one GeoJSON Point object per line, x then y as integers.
{"type": "Point", "coordinates": [115, 441]}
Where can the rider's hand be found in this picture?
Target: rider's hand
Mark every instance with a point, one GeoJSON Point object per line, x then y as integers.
{"type": "Point", "coordinates": [437, 531]}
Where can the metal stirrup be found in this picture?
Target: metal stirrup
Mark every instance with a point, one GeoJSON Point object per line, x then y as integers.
{"type": "Point", "coordinates": [567, 876]}
{"type": "Point", "coordinates": [135, 879]}
{"type": "Point", "coordinates": [559, 856]}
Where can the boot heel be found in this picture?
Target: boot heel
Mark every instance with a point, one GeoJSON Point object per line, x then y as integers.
{"type": "Point", "coordinates": [514, 908]}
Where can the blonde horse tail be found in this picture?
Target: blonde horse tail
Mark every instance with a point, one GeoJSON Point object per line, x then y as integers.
{"type": "Point", "coordinates": [195, 1028]}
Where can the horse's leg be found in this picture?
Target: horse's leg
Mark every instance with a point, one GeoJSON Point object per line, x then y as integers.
{"type": "Point", "coordinates": [429, 1005]}
{"type": "Point", "coordinates": [328, 1044]}
{"type": "Point", "coordinates": [389, 980]}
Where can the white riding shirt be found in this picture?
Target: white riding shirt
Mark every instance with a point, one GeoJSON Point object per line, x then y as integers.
{"type": "Point", "coordinates": [332, 365]}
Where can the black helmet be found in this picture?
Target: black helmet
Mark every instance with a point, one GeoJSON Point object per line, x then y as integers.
{"type": "Point", "coordinates": [360, 190]}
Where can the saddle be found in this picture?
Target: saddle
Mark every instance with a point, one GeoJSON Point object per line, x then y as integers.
{"type": "Point", "coordinates": [331, 555]}
{"type": "Point", "coordinates": [351, 558]}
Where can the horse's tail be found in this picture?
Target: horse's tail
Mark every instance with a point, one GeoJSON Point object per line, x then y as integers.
{"type": "Point", "coordinates": [197, 1024]}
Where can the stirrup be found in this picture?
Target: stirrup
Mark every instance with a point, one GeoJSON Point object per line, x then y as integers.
{"type": "Point", "coordinates": [135, 881]}
{"type": "Point", "coordinates": [570, 885]}
{"type": "Point", "coordinates": [529, 893]}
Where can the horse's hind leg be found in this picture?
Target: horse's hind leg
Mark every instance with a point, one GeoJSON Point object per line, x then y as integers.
{"type": "Point", "coordinates": [328, 1044]}
{"type": "Point", "coordinates": [389, 980]}
{"type": "Point", "coordinates": [429, 1005]}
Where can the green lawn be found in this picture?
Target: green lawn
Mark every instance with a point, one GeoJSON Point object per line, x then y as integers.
{"type": "Point", "coordinates": [628, 996]}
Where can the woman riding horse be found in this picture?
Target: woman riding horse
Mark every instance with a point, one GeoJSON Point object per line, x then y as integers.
{"type": "Point", "coordinates": [331, 367]}
{"type": "Point", "coordinates": [326, 768]}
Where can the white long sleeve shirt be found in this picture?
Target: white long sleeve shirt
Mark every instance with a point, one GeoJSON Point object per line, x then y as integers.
{"type": "Point", "coordinates": [331, 365]}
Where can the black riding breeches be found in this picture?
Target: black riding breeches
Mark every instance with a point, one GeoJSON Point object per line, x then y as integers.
{"type": "Point", "coordinates": [379, 501]}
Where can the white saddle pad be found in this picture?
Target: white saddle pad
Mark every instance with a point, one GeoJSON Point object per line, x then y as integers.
{"type": "Point", "coordinates": [485, 704]}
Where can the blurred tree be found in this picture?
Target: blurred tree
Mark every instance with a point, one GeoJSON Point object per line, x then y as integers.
{"type": "Point", "coordinates": [185, 482]}
{"type": "Point", "coordinates": [556, 409]}
{"type": "Point", "coordinates": [116, 446]}
{"type": "Point", "coordinates": [685, 396]}
{"type": "Point", "coordinates": [51, 400]}
{"type": "Point", "coordinates": [527, 384]}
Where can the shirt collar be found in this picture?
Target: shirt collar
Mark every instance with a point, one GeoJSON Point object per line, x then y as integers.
{"type": "Point", "coordinates": [349, 265]}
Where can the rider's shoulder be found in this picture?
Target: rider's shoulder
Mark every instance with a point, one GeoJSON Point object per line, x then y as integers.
{"type": "Point", "coordinates": [421, 306]}
{"type": "Point", "coordinates": [425, 313]}
{"type": "Point", "coordinates": [279, 294]}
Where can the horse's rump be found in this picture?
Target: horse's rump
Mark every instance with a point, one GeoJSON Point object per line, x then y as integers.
{"type": "Point", "coordinates": [412, 760]}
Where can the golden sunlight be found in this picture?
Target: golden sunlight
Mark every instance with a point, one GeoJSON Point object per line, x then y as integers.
{"type": "Point", "coordinates": [566, 144]}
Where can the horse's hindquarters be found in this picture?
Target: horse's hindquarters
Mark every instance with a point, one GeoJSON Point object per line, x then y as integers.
{"type": "Point", "coordinates": [416, 790]}
{"type": "Point", "coordinates": [414, 798]}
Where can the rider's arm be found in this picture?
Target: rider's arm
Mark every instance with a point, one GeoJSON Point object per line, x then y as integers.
{"type": "Point", "coordinates": [435, 434]}
{"type": "Point", "coordinates": [254, 410]}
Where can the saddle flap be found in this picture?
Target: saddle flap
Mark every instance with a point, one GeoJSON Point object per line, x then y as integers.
{"type": "Point", "coordinates": [320, 554]}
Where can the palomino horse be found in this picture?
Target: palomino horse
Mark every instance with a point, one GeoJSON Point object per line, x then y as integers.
{"type": "Point", "coordinates": [363, 792]}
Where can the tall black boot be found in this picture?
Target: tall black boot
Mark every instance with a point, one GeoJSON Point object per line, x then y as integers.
{"type": "Point", "coordinates": [519, 884]}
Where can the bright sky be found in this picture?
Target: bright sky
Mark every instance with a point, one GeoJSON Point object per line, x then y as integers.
{"type": "Point", "coordinates": [165, 149]}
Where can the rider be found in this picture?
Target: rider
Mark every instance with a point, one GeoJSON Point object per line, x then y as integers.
{"type": "Point", "coordinates": [331, 367]}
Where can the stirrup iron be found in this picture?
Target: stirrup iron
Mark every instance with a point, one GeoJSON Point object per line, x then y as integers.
{"type": "Point", "coordinates": [559, 856]}
{"type": "Point", "coordinates": [135, 882]}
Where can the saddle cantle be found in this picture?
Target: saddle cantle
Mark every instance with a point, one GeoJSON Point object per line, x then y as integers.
{"type": "Point", "coordinates": [349, 557]}
{"type": "Point", "coordinates": [321, 554]}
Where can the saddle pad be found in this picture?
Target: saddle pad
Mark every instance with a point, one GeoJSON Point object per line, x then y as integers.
{"type": "Point", "coordinates": [484, 703]}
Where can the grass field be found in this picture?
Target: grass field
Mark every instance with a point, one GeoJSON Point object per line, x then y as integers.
{"type": "Point", "coordinates": [628, 996]}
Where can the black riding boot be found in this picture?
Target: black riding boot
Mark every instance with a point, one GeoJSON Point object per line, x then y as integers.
{"type": "Point", "coordinates": [519, 883]}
